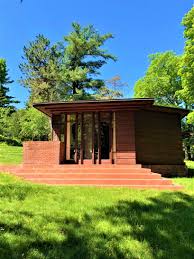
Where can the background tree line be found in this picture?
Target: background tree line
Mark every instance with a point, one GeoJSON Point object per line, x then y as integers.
{"type": "Point", "coordinates": [66, 70]}
{"type": "Point", "coordinates": [170, 80]}
{"type": "Point", "coordinates": [70, 70]}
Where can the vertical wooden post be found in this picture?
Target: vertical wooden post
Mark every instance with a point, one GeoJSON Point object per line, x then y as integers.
{"type": "Point", "coordinates": [110, 139]}
{"type": "Point", "coordinates": [65, 136]}
{"type": "Point", "coordinates": [99, 139]}
{"type": "Point", "coordinates": [76, 138]}
{"type": "Point", "coordinates": [93, 136]}
{"type": "Point", "coordinates": [68, 137]}
{"type": "Point", "coordinates": [82, 140]}
{"type": "Point", "coordinates": [114, 137]}
{"type": "Point", "coordinates": [51, 126]}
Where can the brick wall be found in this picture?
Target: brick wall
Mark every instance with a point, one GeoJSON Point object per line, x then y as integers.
{"type": "Point", "coordinates": [168, 170]}
{"type": "Point", "coordinates": [43, 152]}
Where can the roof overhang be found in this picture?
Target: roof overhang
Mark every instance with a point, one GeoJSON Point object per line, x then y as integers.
{"type": "Point", "coordinates": [180, 111]}
{"type": "Point", "coordinates": [93, 105]}
{"type": "Point", "coordinates": [105, 105]}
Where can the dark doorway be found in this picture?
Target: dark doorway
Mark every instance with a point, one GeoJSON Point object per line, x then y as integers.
{"type": "Point", "coordinates": [105, 143]}
{"type": "Point", "coordinates": [86, 136]}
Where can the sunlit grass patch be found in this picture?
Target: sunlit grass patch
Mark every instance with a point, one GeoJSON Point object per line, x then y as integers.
{"type": "Point", "coordinates": [10, 154]}
{"type": "Point", "coordinates": [38, 221]}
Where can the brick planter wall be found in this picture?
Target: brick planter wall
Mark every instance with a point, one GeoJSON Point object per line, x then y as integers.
{"type": "Point", "coordinates": [43, 152]}
{"type": "Point", "coordinates": [168, 170]}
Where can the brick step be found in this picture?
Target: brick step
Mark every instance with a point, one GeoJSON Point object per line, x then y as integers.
{"type": "Point", "coordinates": [10, 167]}
{"type": "Point", "coordinates": [114, 181]}
{"type": "Point", "coordinates": [83, 170]}
{"type": "Point", "coordinates": [57, 175]}
{"type": "Point", "coordinates": [130, 176]}
{"type": "Point", "coordinates": [81, 166]}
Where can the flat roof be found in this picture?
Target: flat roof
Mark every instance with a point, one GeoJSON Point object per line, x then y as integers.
{"type": "Point", "coordinates": [50, 108]}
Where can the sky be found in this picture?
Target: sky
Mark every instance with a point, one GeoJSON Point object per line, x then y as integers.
{"type": "Point", "coordinates": [140, 28]}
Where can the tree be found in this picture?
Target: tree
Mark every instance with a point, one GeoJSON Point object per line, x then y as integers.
{"type": "Point", "coordinates": [34, 125]}
{"type": "Point", "coordinates": [186, 70]}
{"type": "Point", "coordinates": [161, 80]}
{"type": "Point", "coordinates": [5, 99]}
{"type": "Point", "coordinates": [65, 70]}
{"type": "Point", "coordinates": [28, 124]}
{"type": "Point", "coordinates": [83, 57]}
{"type": "Point", "coordinates": [113, 89]}
{"type": "Point", "coordinates": [41, 70]}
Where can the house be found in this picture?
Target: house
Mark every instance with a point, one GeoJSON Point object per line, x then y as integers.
{"type": "Point", "coordinates": [109, 142]}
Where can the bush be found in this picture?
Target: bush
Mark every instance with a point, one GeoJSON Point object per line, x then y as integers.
{"type": "Point", "coordinates": [23, 125]}
{"type": "Point", "coordinates": [10, 141]}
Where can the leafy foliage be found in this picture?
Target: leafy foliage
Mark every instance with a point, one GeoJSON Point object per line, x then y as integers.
{"type": "Point", "coordinates": [186, 70]}
{"type": "Point", "coordinates": [22, 125]}
{"type": "Point", "coordinates": [161, 80]}
{"type": "Point", "coordinates": [34, 125]}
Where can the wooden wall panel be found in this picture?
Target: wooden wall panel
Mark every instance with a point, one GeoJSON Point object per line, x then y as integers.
{"type": "Point", "coordinates": [125, 138]}
{"type": "Point", "coordinates": [158, 138]}
{"type": "Point", "coordinates": [56, 126]}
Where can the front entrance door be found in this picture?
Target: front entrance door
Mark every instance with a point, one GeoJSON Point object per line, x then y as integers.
{"type": "Point", "coordinates": [105, 140]}
{"type": "Point", "coordinates": [88, 137]}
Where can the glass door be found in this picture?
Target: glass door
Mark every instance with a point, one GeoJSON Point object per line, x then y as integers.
{"type": "Point", "coordinates": [87, 136]}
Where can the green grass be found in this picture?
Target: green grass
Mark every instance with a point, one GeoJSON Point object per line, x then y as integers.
{"type": "Point", "coordinates": [39, 221]}
{"type": "Point", "coordinates": [190, 164]}
{"type": "Point", "coordinates": [73, 222]}
{"type": "Point", "coordinates": [10, 154]}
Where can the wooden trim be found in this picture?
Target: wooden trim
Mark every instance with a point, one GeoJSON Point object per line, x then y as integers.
{"type": "Point", "coordinates": [93, 137]}
{"type": "Point", "coordinates": [114, 137]}
{"type": "Point", "coordinates": [65, 136]}
{"type": "Point", "coordinates": [76, 138]}
{"type": "Point", "coordinates": [110, 139]}
{"type": "Point", "coordinates": [81, 146]}
{"type": "Point", "coordinates": [101, 105]}
{"type": "Point", "coordinates": [51, 125]}
{"type": "Point", "coordinates": [99, 139]}
{"type": "Point", "coordinates": [68, 137]}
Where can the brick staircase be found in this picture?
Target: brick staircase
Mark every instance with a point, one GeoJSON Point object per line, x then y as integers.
{"type": "Point", "coordinates": [132, 176]}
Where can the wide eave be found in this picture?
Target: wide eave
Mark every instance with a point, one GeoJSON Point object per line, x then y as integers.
{"type": "Point", "coordinates": [105, 105]}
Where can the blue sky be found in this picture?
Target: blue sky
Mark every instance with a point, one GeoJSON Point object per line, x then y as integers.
{"type": "Point", "coordinates": [140, 28]}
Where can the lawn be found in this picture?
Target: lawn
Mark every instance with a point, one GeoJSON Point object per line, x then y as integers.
{"type": "Point", "coordinates": [75, 222]}
{"type": "Point", "coordinates": [10, 154]}
{"type": "Point", "coordinates": [39, 221]}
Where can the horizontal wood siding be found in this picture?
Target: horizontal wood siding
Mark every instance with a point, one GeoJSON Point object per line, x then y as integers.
{"type": "Point", "coordinates": [158, 138]}
{"type": "Point", "coordinates": [125, 138]}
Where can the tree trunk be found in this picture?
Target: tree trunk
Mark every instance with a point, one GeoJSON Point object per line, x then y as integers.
{"type": "Point", "coordinates": [74, 85]}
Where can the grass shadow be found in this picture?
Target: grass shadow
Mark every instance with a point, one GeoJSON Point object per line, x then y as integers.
{"type": "Point", "coordinates": [160, 227]}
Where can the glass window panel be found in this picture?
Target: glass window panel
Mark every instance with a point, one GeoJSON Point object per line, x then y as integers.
{"type": "Point", "coordinates": [87, 135]}
{"type": "Point", "coordinates": [104, 132]}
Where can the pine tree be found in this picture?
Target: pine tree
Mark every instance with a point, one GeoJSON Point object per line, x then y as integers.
{"type": "Point", "coordinates": [83, 57]}
{"type": "Point", "coordinates": [5, 99]}
{"type": "Point", "coordinates": [67, 70]}
{"type": "Point", "coordinates": [40, 70]}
